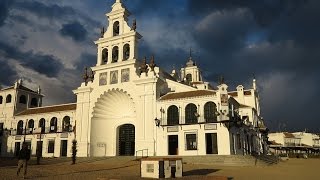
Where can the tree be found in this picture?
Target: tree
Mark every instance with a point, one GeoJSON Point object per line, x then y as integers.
{"type": "Point", "coordinates": [74, 151]}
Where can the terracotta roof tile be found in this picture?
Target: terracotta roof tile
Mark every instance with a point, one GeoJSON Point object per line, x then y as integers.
{"type": "Point", "coordinates": [244, 106]}
{"type": "Point", "coordinates": [233, 94]}
{"type": "Point", "coordinates": [273, 143]}
{"type": "Point", "coordinates": [20, 87]}
{"type": "Point", "coordinates": [247, 92]}
{"type": "Point", "coordinates": [187, 94]}
{"type": "Point", "coordinates": [57, 108]}
{"type": "Point", "coordinates": [288, 135]}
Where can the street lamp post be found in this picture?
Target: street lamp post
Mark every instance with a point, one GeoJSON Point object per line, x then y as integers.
{"type": "Point", "coordinates": [39, 149]}
{"type": "Point", "coordinates": [25, 132]}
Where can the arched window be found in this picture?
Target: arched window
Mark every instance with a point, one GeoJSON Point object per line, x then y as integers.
{"type": "Point", "coordinates": [116, 28]}
{"type": "Point", "coordinates": [210, 109]}
{"type": "Point", "coordinates": [54, 124]}
{"type": "Point", "coordinates": [191, 114]}
{"type": "Point", "coordinates": [42, 125]}
{"type": "Point", "coordinates": [23, 99]}
{"type": "Point", "coordinates": [188, 78]}
{"type": "Point", "coordinates": [8, 98]}
{"type": "Point", "coordinates": [20, 128]}
{"type": "Point", "coordinates": [1, 99]}
{"type": "Point", "coordinates": [126, 52]}
{"type": "Point", "coordinates": [173, 115]}
{"type": "Point", "coordinates": [115, 54]}
{"type": "Point", "coordinates": [66, 124]}
{"type": "Point", "coordinates": [34, 102]}
{"type": "Point", "coordinates": [30, 125]}
{"type": "Point", "coordinates": [105, 56]}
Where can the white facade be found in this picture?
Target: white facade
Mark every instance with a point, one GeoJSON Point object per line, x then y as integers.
{"type": "Point", "coordinates": [127, 106]}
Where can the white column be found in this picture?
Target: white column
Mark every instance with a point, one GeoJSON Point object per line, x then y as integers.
{"type": "Point", "coordinates": [120, 50]}
{"type": "Point", "coordinates": [109, 55]}
{"type": "Point", "coordinates": [99, 56]}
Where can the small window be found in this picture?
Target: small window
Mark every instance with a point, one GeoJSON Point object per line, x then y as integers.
{"type": "Point", "coordinates": [54, 124]}
{"type": "Point", "coordinates": [116, 28]}
{"type": "Point", "coordinates": [9, 98]}
{"type": "Point", "coordinates": [150, 168]}
{"type": "Point", "coordinates": [105, 55]}
{"type": "Point", "coordinates": [66, 126]}
{"type": "Point", "coordinates": [51, 146]}
{"type": "Point", "coordinates": [23, 99]}
{"type": "Point", "coordinates": [1, 99]}
{"type": "Point", "coordinates": [115, 54]}
{"type": "Point", "coordinates": [191, 140]}
{"type": "Point", "coordinates": [210, 109]}
{"type": "Point", "coordinates": [34, 102]}
{"type": "Point", "coordinates": [20, 127]}
{"type": "Point", "coordinates": [191, 114]}
{"type": "Point", "coordinates": [173, 115]}
{"type": "Point", "coordinates": [188, 78]}
{"type": "Point", "coordinates": [42, 125]}
{"type": "Point", "coordinates": [30, 125]}
{"type": "Point", "coordinates": [126, 52]}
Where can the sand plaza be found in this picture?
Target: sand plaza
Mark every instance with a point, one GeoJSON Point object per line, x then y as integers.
{"type": "Point", "coordinates": [108, 168]}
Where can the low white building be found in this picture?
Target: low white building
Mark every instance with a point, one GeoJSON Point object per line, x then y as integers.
{"type": "Point", "coordinates": [129, 107]}
{"type": "Point", "coordinates": [296, 142]}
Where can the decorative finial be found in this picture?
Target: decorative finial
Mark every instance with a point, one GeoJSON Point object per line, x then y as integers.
{"type": "Point", "coordinates": [102, 32]}
{"type": "Point", "coordinates": [143, 66]}
{"type": "Point", "coordinates": [134, 25]}
{"type": "Point", "coordinates": [39, 90]}
{"type": "Point", "coordinates": [254, 84]}
{"type": "Point", "coordinates": [190, 63]}
{"type": "Point", "coordinates": [221, 80]}
{"type": "Point", "coordinates": [152, 64]}
{"type": "Point", "coordinates": [85, 75]}
{"type": "Point", "coordinates": [91, 75]}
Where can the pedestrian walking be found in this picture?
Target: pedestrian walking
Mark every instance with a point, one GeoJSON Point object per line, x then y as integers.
{"type": "Point", "coordinates": [23, 158]}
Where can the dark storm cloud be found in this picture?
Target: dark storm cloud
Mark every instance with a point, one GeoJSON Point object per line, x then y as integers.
{"type": "Point", "coordinates": [75, 30]}
{"type": "Point", "coordinates": [7, 74]}
{"type": "Point", "coordinates": [264, 11]}
{"type": "Point", "coordinates": [85, 60]}
{"type": "Point", "coordinates": [4, 10]}
{"type": "Point", "coordinates": [44, 64]}
{"type": "Point", "coordinates": [54, 11]}
{"type": "Point", "coordinates": [277, 40]}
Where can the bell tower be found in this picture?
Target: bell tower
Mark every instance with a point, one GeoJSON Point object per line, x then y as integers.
{"type": "Point", "coordinates": [191, 73]}
{"type": "Point", "coordinates": [119, 41]}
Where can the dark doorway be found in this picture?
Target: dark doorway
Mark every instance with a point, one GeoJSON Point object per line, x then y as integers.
{"type": "Point", "coordinates": [64, 147]}
{"type": "Point", "coordinates": [39, 148]}
{"type": "Point", "coordinates": [126, 140]}
{"type": "Point", "coordinates": [173, 144]}
{"type": "Point", "coordinates": [211, 142]}
{"type": "Point", "coordinates": [17, 148]}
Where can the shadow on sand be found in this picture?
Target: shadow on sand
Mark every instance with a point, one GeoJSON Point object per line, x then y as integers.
{"type": "Point", "coordinates": [199, 172]}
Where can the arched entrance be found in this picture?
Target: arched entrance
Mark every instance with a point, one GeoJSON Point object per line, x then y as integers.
{"type": "Point", "coordinates": [126, 140]}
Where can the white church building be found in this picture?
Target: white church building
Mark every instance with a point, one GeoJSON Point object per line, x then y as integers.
{"type": "Point", "coordinates": [127, 107]}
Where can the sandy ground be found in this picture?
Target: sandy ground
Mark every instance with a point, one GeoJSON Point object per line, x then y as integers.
{"type": "Point", "coordinates": [113, 168]}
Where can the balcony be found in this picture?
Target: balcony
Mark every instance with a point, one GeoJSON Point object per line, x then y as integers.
{"type": "Point", "coordinates": [46, 130]}
{"type": "Point", "coordinates": [182, 121]}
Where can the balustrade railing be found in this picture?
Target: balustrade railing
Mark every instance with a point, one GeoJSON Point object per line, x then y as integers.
{"type": "Point", "coordinates": [142, 152]}
{"type": "Point", "coordinates": [198, 120]}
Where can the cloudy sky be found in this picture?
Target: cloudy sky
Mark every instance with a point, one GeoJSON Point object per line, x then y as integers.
{"type": "Point", "coordinates": [48, 43]}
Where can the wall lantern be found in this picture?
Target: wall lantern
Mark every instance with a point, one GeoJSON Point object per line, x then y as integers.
{"type": "Point", "coordinates": [157, 122]}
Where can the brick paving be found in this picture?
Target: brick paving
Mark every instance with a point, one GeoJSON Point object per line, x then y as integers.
{"type": "Point", "coordinates": [112, 168]}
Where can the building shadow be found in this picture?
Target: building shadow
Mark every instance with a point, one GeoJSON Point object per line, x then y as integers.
{"type": "Point", "coordinates": [199, 172]}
